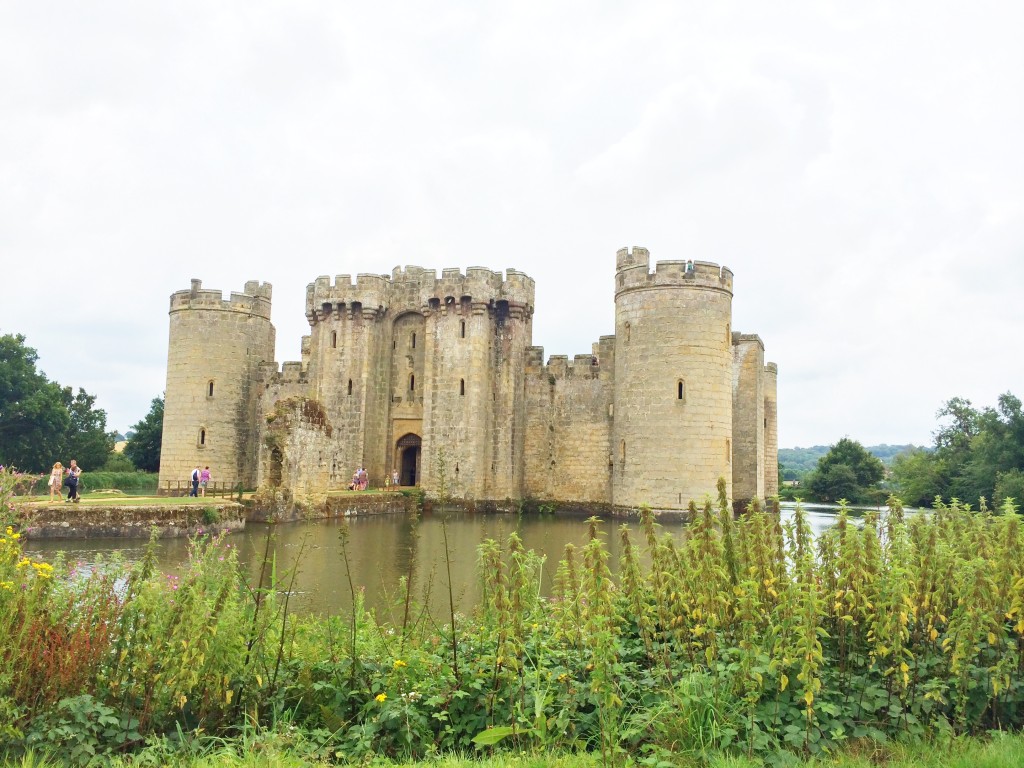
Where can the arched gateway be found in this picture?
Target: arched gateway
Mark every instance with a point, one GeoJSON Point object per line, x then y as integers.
{"type": "Point", "coordinates": [407, 458]}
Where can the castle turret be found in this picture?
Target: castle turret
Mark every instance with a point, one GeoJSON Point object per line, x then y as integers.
{"type": "Point", "coordinates": [748, 419]}
{"type": "Point", "coordinates": [348, 343]}
{"type": "Point", "coordinates": [214, 354]}
{"type": "Point", "coordinates": [771, 430]}
{"type": "Point", "coordinates": [672, 428]}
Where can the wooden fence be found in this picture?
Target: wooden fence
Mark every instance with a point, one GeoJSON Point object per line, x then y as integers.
{"type": "Point", "coordinates": [184, 487]}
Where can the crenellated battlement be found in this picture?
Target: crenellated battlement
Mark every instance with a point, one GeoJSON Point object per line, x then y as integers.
{"type": "Point", "coordinates": [740, 339]}
{"type": "Point", "coordinates": [413, 288]}
{"type": "Point", "coordinates": [633, 272]}
{"type": "Point", "coordinates": [561, 367]}
{"type": "Point", "coordinates": [292, 372]}
{"type": "Point", "coordinates": [771, 369]}
{"type": "Point", "coordinates": [255, 299]}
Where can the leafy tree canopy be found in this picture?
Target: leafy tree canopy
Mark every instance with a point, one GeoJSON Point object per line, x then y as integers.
{"type": "Point", "coordinates": [847, 471]}
{"type": "Point", "coordinates": [979, 454]}
{"type": "Point", "coordinates": [34, 419]}
{"type": "Point", "coordinates": [144, 446]}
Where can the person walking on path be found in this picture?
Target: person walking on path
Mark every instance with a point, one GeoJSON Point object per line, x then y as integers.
{"type": "Point", "coordinates": [74, 472]}
{"type": "Point", "coordinates": [56, 480]}
{"type": "Point", "coordinates": [204, 479]}
{"type": "Point", "coordinates": [196, 473]}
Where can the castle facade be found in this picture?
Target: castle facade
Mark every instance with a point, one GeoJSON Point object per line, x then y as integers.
{"type": "Point", "coordinates": [437, 379]}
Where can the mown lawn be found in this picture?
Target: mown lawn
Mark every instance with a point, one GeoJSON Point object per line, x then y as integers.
{"type": "Point", "coordinates": [997, 751]}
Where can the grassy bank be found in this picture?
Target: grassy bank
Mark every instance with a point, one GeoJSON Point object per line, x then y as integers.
{"type": "Point", "coordinates": [996, 751]}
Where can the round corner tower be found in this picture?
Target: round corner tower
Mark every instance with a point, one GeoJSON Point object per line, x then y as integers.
{"type": "Point", "coordinates": [672, 407]}
{"type": "Point", "coordinates": [215, 348]}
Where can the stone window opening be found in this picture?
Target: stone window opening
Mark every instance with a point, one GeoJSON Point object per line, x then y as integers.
{"type": "Point", "coordinates": [412, 380]}
{"type": "Point", "coordinates": [394, 344]}
{"type": "Point", "coordinates": [350, 386]}
{"type": "Point", "coordinates": [728, 450]}
{"type": "Point", "coordinates": [622, 454]}
{"type": "Point", "coordinates": [462, 386]}
{"type": "Point", "coordinates": [681, 391]}
{"type": "Point", "coordinates": [209, 388]}
{"type": "Point", "coordinates": [462, 329]}
{"type": "Point", "coordinates": [629, 329]}
{"type": "Point", "coordinates": [414, 341]}
{"type": "Point", "coordinates": [202, 437]}
{"type": "Point", "coordinates": [334, 339]}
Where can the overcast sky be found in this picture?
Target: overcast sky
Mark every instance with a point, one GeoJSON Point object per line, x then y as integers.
{"type": "Point", "coordinates": [857, 165]}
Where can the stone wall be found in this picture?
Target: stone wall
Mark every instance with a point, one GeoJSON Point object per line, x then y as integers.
{"type": "Point", "coordinates": [300, 450]}
{"type": "Point", "coordinates": [568, 428]}
{"type": "Point", "coordinates": [131, 522]}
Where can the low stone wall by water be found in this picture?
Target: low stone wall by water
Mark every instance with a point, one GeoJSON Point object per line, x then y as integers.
{"type": "Point", "coordinates": [270, 509]}
{"type": "Point", "coordinates": [560, 508]}
{"type": "Point", "coordinates": [130, 522]}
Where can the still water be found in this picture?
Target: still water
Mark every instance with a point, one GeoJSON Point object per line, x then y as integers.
{"type": "Point", "coordinates": [382, 551]}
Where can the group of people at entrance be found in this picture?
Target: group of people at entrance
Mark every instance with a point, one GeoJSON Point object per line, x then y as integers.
{"type": "Point", "coordinates": [200, 479]}
{"type": "Point", "coordinates": [361, 480]}
{"type": "Point", "coordinates": [61, 476]}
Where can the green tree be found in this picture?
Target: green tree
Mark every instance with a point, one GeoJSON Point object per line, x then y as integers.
{"type": "Point", "coordinates": [144, 446]}
{"type": "Point", "coordinates": [1010, 485]}
{"type": "Point", "coordinates": [87, 439]}
{"type": "Point", "coordinates": [919, 476]}
{"type": "Point", "coordinates": [996, 448]}
{"type": "Point", "coordinates": [847, 471]}
{"type": "Point", "coordinates": [33, 418]}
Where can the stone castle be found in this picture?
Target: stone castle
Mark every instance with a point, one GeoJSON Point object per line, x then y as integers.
{"type": "Point", "coordinates": [437, 379]}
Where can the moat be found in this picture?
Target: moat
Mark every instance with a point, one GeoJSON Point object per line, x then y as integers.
{"type": "Point", "coordinates": [382, 549]}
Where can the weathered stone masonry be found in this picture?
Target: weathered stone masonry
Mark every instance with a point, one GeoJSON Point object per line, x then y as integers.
{"type": "Point", "coordinates": [437, 379]}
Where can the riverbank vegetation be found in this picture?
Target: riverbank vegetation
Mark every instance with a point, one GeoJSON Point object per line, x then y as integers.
{"type": "Point", "coordinates": [752, 640]}
{"type": "Point", "coordinates": [977, 458]}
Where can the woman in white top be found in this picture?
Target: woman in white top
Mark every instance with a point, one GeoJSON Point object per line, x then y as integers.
{"type": "Point", "coordinates": [56, 480]}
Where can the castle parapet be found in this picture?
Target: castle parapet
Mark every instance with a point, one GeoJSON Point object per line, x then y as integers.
{"type": "Point", "coordinates": [633, 272]}
{"type": "Point", "coordinates": [255, 300]}
{"type": "Point", "coordinates": [534, 359]}
{"type": "Point", "coordinates": [632, 259]}
{"type": "Point", "coordinates": [413, 287]}
{"type": "Point", "coordinates": [559, 366]}
{"type": "Point", "coordinates": [367, 296]}
{"type": "Point", "coordinates": [739, 339]}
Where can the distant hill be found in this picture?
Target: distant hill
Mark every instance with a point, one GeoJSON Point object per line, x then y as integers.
{"type": "Point", "coordinates": [796, 462]}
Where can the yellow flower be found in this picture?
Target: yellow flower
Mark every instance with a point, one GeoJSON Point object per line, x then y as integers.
{"type": "Point", "coordinates": [381, 697]}
{"type": "Point", "coordinates": [399, 664]}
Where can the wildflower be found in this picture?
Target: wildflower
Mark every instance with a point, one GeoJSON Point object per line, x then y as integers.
{"type": "Point", "coordinates": [381, 697]}
{"type": "Point", "coordinates": [399, 664]}
{"type": "Point", "coordinates": [562, 677]}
